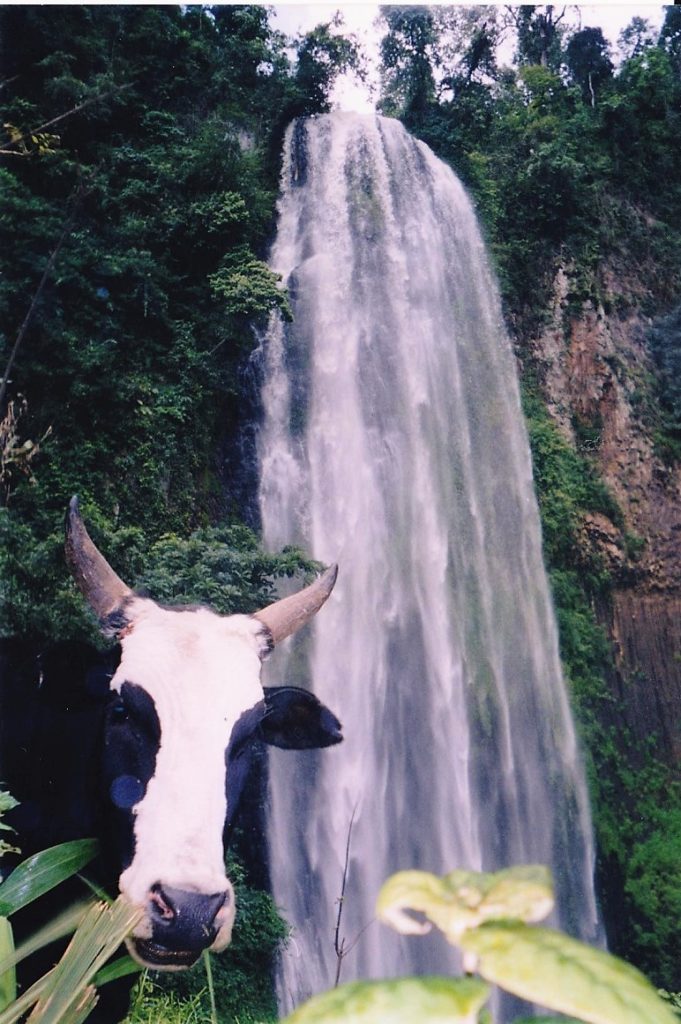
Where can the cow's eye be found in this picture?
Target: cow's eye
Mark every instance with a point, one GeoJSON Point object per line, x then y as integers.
{"type": "Point", "coordinates": [119, 712]}
{"type": "Point", "coordinates": [237, 750]}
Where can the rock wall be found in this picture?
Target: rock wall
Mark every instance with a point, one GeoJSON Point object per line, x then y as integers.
{"type": "Point", "coordinates": [598, 381]}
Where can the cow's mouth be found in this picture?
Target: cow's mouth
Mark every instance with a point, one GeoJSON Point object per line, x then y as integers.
{"type": "Point", "coordinates": [152, 954]}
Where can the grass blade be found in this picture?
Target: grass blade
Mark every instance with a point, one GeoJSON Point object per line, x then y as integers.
{"type": "Point", "coordinates": [56, 929]}
{"type": "Point", "coordinates": [8, 978]}
{"type": "Point", "coordinates": [94, 941]}
{"type": "Point", "coordinates": [211, 987]}
{"type": "Point", "coordinates": [18, 1008]}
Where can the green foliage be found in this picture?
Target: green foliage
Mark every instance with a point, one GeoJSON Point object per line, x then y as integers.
{"type": "Point", "coordinates": [150, 1006]}
{"type": "Point", "coordinates": [539, 35]}
{"type": "Point", "coordinates": [149, 138]}
{"type": "Point", "coordinates": [652, 885]}
{"type": "Point", "coordinates": [557, 971]}
{"type": "Point", "coordinates": [247, 286]}
{"type": "Point", "coordinates": [224, 567]}
{"type": "Point", "coordinates": [486, 916]}
{"type": "Point", "coordinates": [130, 370]}
{"type": "Point", "coordinates": [556, 162]}
{"type": "Point", "coordinates": [7, 802]}
{"type": "Point", "coordinates": [568, 487]}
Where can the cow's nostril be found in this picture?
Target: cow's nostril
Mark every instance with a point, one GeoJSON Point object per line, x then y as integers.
{"type": "Point", "coordinates": [162, 908]}
{"type": "Point", "coordinates": [185, 920]}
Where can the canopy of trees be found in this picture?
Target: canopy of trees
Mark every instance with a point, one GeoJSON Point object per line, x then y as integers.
{"type": "Point", "coordinates": [139, 177]}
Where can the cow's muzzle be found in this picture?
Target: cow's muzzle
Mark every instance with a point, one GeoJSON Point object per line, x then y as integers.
{"type": "Point", "coordinates": [181, 925]}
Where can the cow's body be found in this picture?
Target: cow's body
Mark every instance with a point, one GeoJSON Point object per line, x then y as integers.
{"type": "Point", "coordinates": [150, 748]}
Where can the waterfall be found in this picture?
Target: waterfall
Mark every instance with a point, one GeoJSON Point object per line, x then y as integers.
{"type": "Point", "coordinates": [393, 443]}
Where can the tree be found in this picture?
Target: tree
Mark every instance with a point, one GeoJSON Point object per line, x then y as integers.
{"type": "Point", "coordinates": [467, 42]}
{"type": "Point", "coordinates": [322, 55]}
{"type": "Point", "coordinates": [408, 58]}
{"type": "Point", "coordinates": [539, 34]}
{"type": "Point", "coordinates": [635, 38]}
{"type": "Point", "coordinates": [588, 62]}
{"type": "Point", "coordinates": [670, 37]}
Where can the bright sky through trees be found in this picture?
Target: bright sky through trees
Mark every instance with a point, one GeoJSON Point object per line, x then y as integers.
{"type": "Point", "coordinates": [360, 18]}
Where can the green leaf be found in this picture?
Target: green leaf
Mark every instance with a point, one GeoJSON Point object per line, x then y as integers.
{"type": "Point", "coordinates": [563, 974]}
{"type": "Point", "coordinates": [402, 1001]}
{"type": "Point", "coordinates": [8, 980]}
{"type": "Point", "coordinates": [464, 899]}
{"type": "Point", "coordinates": [42, 872]}
{"type": "Point", "coordinates": [120, 968]}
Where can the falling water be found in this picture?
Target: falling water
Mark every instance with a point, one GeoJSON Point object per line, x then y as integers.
{"type": "Point", "coordinates": [393, 443]}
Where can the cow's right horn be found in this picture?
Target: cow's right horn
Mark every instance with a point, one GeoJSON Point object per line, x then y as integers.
{"type": "Point", "coordinates": [103, 590]}
{"type": "Point", "coordinates": [290, 614]}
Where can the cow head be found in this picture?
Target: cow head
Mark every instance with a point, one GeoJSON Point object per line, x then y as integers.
{"type": "Point", "coordinates": [186, 709]}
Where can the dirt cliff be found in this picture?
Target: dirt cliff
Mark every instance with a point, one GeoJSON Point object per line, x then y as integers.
{"type": "Point", "coordinates": [598, 380]}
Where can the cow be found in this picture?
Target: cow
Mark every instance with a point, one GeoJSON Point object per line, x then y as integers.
{"type": "Point", "coordinates": [183, 712]}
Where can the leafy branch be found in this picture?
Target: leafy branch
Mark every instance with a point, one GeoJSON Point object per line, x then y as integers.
{"type": "Point", "coordinates": [38, 136]}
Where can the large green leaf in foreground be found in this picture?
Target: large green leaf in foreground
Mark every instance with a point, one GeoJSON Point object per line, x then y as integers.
{"type": "Point", "coordinates": [402, 1001]}
{"type": "Point", "coordinates": [464, 899]}
{"type": "Point", "coordinates": [42, 872]}
{"type": "Point", "coordinates": [557, 971]}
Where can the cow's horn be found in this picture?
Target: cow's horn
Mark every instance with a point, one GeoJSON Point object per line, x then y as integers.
{"type": "Point", "coordinates": [103, 590]}
{"type": "Point", "coordinates": [290, 614]}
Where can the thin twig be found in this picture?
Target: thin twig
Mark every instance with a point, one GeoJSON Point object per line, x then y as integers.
{"type": "Point", "coordinates": [338, 943]}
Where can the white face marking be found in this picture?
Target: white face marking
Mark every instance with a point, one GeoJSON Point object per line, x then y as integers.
{"type": "Point", "coordinates": [202, 671]}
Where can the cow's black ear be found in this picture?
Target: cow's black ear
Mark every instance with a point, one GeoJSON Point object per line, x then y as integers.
{"type": "Point", "coordinates": [295, 720]}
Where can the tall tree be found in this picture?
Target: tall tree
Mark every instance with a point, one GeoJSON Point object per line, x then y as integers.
{"type": "Point", "coordinates": [636, 37]}
{"type": "Point", "coordinates": [670, 36]}
{"type": "Point", "coordinates": [408, 59]}
{"type": "Point", "coordinates": [588, 62]}
{"type": "Point", "coordinates": [539, 32]}
{"type": "Point", "coordinates": [322, 55]}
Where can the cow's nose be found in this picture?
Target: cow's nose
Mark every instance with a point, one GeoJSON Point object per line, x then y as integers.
{"type": "Point", "coordinates": [184, 920]}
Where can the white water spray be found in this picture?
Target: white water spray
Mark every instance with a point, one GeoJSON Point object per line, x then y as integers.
{"type": "Point", "coordinates": [393, 443]}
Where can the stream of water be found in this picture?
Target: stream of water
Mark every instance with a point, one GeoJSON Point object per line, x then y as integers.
{"type": "Point", "coordinates": [393, 443]}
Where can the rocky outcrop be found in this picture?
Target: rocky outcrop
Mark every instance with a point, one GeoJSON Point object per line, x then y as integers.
{"type": "Point", "coordinates": [646, 678]}
{"type": "Point", "coordinates": [598, 382]}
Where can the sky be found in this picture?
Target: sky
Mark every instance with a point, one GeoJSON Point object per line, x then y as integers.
{"type": "Point", "coordinates": [360, 17]}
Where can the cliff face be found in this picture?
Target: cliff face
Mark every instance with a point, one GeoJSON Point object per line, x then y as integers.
{"type": "Point", "coordinates": [597, 378]}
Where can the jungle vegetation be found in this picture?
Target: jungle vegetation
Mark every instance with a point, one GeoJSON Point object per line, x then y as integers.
{"type": "Point", "coordinates": [138, 181]}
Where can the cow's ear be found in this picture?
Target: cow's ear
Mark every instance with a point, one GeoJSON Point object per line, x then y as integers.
{"type": "Point", "coordinates": [295, 720]}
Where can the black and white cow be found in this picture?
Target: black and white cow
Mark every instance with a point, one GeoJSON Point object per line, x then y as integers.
{"type": "Point", "coordinates": [185, 709]}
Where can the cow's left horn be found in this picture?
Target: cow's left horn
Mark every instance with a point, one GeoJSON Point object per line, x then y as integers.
{"type": "Point", "coordinates": [103, 590]}
{"type": "Point", "coordinates": [290, 614]}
